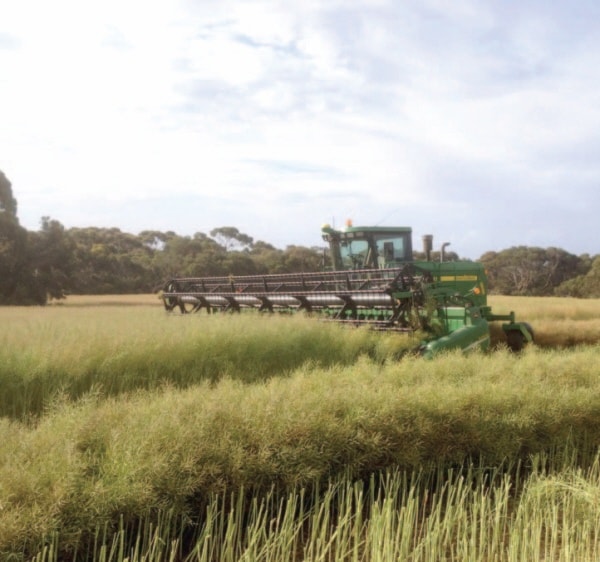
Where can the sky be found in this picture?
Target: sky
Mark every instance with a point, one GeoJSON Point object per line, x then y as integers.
{"type": "Point", "coordinates": [475, 121]}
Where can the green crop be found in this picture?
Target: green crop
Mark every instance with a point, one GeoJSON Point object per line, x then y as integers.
{"type": "Point", "coordinates": [129, 434]}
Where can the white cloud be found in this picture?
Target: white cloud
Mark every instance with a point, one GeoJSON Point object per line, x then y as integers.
{"type": "Point", "coordinates": [303, 112]}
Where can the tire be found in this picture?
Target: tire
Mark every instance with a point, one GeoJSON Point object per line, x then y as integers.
{"type": "Point", "coordinates": [187, 307]}
{"type": "Point", "coordinates": [515, 340]}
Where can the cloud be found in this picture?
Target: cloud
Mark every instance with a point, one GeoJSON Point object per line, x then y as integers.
{"type": "Point", "coordinates": [456, 117]}
{"type": "Point", "coordinates": [8, 41]}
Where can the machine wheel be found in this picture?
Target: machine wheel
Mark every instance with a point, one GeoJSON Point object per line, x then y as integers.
{"type": "Point", "coordinates": [515, 340]}
{"type": "Point", "coordinates": [187, 307]}
{"type": "Point", "coordinates": [170, 302]}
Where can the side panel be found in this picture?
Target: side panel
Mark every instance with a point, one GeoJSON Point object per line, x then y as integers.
{"type": "Point", "coordinates": [468, 338]}
{"type": "Point", "coordinates": [461, 278]}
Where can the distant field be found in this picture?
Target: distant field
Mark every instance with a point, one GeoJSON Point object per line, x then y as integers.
{"type": "Point", "coordinates": [131, 433]}
{"type": "Point", "coordinates": [108, 300]}
{"type": "Point", "coordinates": [557, 322]}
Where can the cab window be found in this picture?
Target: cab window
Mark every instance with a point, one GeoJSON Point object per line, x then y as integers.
{"type": "Point", "coordinates": [392, 249]}
{"type": "Point", "coordinates": [354, 253]}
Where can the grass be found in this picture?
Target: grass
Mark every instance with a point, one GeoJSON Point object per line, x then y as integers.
{"type": "Point", "coordinates": [110, 349]}
{"type": "Point", "coordinates": [557, 322]}
{"type": "Point", "coordinates": [128, 433]}
{"type": "Point", "coordinates": [100, 459]}
{"type": "Point", "coordinates": [117, 344]}
{"type": "Point", "coordinates": [474, 515]}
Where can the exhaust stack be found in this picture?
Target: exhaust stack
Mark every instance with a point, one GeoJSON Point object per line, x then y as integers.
{"type": "Point", "coordinates": [443, 252]}
{"type": "Point", "coordinates": [427, 246]}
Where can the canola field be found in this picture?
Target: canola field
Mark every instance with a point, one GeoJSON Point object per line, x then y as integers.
{"type": "Point", "coordinates": [127, 433]}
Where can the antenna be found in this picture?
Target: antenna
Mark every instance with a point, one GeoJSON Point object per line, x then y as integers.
{"type": "Point", "coordinates": [387, 216]}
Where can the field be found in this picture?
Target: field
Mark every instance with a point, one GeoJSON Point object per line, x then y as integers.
{"type": "Point", "coordinates": [127, 433]}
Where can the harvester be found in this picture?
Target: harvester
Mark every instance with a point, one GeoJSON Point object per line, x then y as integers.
{"type": "Point", "coordinates": [373, 281]}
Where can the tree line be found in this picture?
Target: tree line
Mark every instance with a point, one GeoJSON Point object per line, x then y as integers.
{"type": "Point", "coordinates": [55, 261]}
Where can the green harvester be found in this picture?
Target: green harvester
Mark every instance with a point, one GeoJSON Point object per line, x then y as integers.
{"type": "Point", "coordinates": [374, 281]}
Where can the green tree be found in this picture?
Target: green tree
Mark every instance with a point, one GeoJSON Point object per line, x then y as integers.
{"type": "Point", "coordinates": [533, 271]}
{"type": "Point", "coordinates": [107, 260]}
{"type": "Point", "coordinates": [196, 256]}
{"type": "Point", "coordinates": [435, 256]}
{"type": "Point", "coordinates": [583, 286]}
{"type": "Point", "coordinates": [8, 204]}
{"type": "Point", "coordinates": [16, 280]}
{"type": "Point", "coordinates": [155, 239]}
{"type": "Point", "coordinates": [300, 259]}
{"type": "Point", "coordinates": [15, 276]}
{"type": "Point", "coordinates": [231, 238]}
{"type": "Point", "coordinates": [240, 263]}
{"type": "Point", "coordinates": [267, 258]}
{"type": "Point", "coordinates": [51, 259]}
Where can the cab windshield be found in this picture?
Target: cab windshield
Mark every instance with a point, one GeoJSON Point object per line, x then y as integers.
{"type": "Point", "coordinates": [356, 254]}
{"type": "Point", "coordinates": [376, 250]}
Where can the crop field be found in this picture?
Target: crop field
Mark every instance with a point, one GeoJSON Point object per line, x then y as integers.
{"type": "Point", "coordinates": [127, 433]}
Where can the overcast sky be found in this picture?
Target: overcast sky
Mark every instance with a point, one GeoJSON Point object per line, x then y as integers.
{"type": "Point", "coordinates": [476, 121]}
